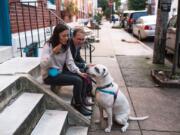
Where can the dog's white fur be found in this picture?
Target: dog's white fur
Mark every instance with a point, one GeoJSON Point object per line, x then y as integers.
{"type": "Point", "coordinates": [120, 109]}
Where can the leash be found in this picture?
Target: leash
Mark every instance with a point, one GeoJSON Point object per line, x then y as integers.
{"type": "Point", "coordinates": [92, 80]}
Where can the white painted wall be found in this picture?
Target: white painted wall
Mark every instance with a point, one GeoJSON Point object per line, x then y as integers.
{"type": "Point", "coordinates": [174, 7]}
{"type": "Point", "coordinates": [15, 39]}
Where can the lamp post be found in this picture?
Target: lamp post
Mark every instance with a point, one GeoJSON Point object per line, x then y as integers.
{"type": "Point", "coordinates": [110, 3]}
{"type": "Point", "coordinates": [149, 9]}
{"type": "Point", "coordinates": [177, 45]}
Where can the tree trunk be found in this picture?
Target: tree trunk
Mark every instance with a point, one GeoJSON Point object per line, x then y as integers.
{"type": "Point", "coordinates": [176, 53]}
{"type": "Point", "coordinates": [161, 29]}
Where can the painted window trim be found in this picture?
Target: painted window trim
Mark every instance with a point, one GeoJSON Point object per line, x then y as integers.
{"type": "Point", "coordinates": [50, 5]}
{"type": "Point", "coordinates": [31, 4]}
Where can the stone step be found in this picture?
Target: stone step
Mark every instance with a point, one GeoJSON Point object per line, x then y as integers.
{"type": "Point", "coordinates": [66, 93]}
{"type": "Point", "coordinates": [77, 130]}
{"type": "Point", "coordinates": [6, 52]}
{"type": "Point", "coordinates": [53, 122]}
{"type": "Point", "coordinates": [21, 65]}
{"type": "Point", "coordinates": [9, 88]}
{"type": "Point", "coordinates": [20, 117]}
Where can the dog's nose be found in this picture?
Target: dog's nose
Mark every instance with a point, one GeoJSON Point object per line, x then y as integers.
{"type": "Point", "coordinates": [86, 68]}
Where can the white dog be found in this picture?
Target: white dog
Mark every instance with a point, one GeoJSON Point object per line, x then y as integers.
{"type": "Point", "coordinates": [110, 98]}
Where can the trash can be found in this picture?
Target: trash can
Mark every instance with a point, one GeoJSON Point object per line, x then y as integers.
{"type": "Point", "coordinates": [31, 50]}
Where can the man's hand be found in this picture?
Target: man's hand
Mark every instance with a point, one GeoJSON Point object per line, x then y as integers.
{"type": "Point", "coordinates": [83, 75]}
{"type": "Point", "coordinates": [57, 49]}
{"type": "Point", "coordinates": [90, 65]}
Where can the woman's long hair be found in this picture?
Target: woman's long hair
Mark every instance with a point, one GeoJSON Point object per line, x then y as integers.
{"type": "Point", "coordinates": [54, 39]}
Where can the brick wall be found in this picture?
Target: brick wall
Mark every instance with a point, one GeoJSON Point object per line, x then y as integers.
{"type": "Point", "coordinates": [27, 17]}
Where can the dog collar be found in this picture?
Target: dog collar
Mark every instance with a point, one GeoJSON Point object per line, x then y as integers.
{"type": "Point", "coordinates": [106, 86]}
{"type": "Point", "coordinates": [108, 91]}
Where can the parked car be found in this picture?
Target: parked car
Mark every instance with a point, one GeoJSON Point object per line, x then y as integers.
{"type": "Point", "coordinates": [133, 16]}
{"type": "Point", "coordinates": [171, 35]}
{"type": "Point", "coordinates": [144, 27]}
{"type": "Point", "coordinates": [124, 17]}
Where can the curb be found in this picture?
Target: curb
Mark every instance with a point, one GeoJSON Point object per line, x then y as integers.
{"type": "Point", "coordinates": [164, 83]}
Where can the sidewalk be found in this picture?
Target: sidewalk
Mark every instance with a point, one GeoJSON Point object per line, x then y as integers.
{"type": "Point", "coordinates": [130, 65]}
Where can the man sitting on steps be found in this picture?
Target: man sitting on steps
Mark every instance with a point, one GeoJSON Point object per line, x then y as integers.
{"type": "Point", "coordinates": [76, 42]}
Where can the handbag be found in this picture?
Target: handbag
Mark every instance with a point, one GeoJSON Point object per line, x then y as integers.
{"type": "Point", "coordinates": [53, 72]}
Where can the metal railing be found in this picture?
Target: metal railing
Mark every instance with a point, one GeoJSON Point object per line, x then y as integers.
{"type": "Point", "coordinates": [32, 22]}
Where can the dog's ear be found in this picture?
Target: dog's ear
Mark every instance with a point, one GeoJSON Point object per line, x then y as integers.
{"type": "Point", "coordinates": [97, 70]}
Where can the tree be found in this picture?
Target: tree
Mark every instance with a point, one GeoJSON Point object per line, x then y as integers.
{"type": "Point", "coordinates": [103, 4]}
{"type": "Point", "coordinates": [136, 4]}
{"type": "Point", "coordinates": [107, 13]}
{"type": "Point", "coordinates": [105, 7]}
{"type": "Point", "coordinates": [177, 45]}
{"type": "Point", "coordinates": [161, 30]}
{"type": "Point", "coordinates": [71, 8]}
{"type": "Point", "coordinates": [118, 4]}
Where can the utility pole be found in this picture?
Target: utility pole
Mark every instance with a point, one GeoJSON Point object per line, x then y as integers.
{"type": "Point", "coordinates": [176, 54]}
{"type": "Point", "coordinates": [164, 7]}
{"type": "Point", "coordinates": [149, 9]}
{"type": "Point", "coordinates": [110, 3]}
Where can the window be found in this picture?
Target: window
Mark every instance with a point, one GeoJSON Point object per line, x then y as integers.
{"type": "Point", "coordinates": [51, 4]}
{"type": "Point", "coordinates": [31, 2]}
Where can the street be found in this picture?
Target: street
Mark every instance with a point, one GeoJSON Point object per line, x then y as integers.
{"type": "Point", "coordinates": [150, 43]}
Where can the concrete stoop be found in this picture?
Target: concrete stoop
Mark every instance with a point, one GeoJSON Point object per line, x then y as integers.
{"type": "Point", "coordinates": [5, 53]}
{"type": "Point", "coordinates": [30, 110]}
{"type": "Point", "coordinates": [29, 107]}
{"type": "Point", "coordinates": [21, 65]}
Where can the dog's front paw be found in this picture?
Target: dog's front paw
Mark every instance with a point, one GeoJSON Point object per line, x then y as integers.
{"type": "Point", "coordinates": [107, 130]}
{"type": "Point", "coordinates": [123, 129]}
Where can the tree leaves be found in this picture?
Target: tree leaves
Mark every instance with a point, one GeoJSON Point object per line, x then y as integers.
{"type": "Point", "coordinates": [136, 4]}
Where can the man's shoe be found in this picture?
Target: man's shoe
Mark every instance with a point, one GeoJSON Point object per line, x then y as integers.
{"type": "Point", "coordinates": [87, 103]}
{"type": "Point", "coordinates": [86, 108]}
{"type": "Point", "coordinates": [82, 110]}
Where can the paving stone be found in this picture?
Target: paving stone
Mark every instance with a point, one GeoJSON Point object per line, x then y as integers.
{"type": "Point", "coordinates": [162, 106]}
{"type": "Point", "coordinates": [115, 132]}
{"type": "Point", "coordinates": [159, 133]}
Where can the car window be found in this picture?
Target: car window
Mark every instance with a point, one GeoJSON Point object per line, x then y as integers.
{"type": "Point", "coordinates": [138, 14]}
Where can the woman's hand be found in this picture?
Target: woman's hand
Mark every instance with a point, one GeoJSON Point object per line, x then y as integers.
{"type": "Point", "coordinates": [83, 75]}
{"type": "Point", "coordinates": [57, 49]}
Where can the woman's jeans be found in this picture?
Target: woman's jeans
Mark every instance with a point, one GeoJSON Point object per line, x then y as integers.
{"type": "Point", "coordinates": [68, 78]}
